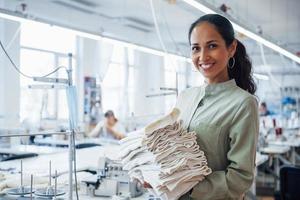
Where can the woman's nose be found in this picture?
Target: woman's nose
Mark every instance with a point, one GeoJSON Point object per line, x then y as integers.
{"type": "Point", "coordinates": [203, 55]}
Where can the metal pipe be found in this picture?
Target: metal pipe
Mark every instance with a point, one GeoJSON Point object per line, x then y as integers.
{"type": "Point", "coordinates": [21, 175]}
{"type": "Point", "coordinates": [34, 134]}
{"type": "Point", "coordinates": [71, 120]}
{"type": "Point", "coordinates": [70, 167]}
{"type": "Point", "coordinates": [55, 185]}
{"type": "Point", "coordinates": [50, 173]}
{"type": "Point", "coordinates": [31, 186]}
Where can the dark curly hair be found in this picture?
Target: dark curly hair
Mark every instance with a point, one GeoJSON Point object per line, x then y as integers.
{"type": "Point", "coordinates": [242, 70]}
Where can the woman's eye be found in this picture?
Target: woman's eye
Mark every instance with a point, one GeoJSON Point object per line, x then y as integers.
{"type": "Point", "coordinates": [212, 46]}
{"type": "Point", "coordinates": [195, 48]}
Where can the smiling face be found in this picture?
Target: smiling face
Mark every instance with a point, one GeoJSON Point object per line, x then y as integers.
{"type": "Point", "coordinates": [209, 52]}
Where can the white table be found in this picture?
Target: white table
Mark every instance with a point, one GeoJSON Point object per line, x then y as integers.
{"type": "Point", "coordinates": [293, 143]}
{"type": "Point", "coordinates": [86, 159]}
{"type": "Point", "coordinates": [260, 158]}
{"type": "Point", "coordinates": [57, 142]}
{"type": "Point", "coordinates": [274, 149]}
{"type": "Point", "coordinates": [19, 149]}
{"type": "Point", "coordinates": [275, 152]}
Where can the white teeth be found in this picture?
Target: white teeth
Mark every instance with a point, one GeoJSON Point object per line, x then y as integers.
{"type": "Point", "coordinates": [206, 66]}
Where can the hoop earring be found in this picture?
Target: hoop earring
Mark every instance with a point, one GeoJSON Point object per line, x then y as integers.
{"type": "Point", "coordinates": [233, 62]}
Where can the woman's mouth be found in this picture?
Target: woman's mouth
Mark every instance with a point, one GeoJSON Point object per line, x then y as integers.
{"type": "Point", "coordinates": [206, 66]}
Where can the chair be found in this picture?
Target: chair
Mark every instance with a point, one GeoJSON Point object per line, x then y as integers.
{"type": "Point", "coordinates": [290, 183]}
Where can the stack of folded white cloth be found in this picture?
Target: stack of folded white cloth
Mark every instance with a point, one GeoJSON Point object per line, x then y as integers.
{"type": "Point", "coordinates": [166, 156]}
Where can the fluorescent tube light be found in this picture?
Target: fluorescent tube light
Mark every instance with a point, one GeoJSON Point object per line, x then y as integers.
{"type": "Point", "coordinates": [261, 76]}
{"type": "Point", "coordinates": [14, 17]}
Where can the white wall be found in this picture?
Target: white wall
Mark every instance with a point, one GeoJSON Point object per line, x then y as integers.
{"type": "Point", "coordinates": [9, 78]}
{"type": "Point", "coordinates": [1, 75]}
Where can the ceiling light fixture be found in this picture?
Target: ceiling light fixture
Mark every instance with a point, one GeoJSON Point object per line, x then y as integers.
{"type": "Point", "coordinates": [261, 76]}
{"type": "Point", "coordinates": [99, 38]}
{"type": "Point", "coordinates": [23, 19]}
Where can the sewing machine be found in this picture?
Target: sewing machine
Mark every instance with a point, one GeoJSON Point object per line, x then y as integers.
{"type": "Point", "coordinates": [111, 180]}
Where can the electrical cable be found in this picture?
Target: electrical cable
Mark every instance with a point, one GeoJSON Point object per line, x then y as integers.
{"type": "Point", "coordinates": [169, 31]}
{"type": "Point", "coordinates": [23, 74]}
{"type": "Point", "coordinates": [72, 120]}
{"type": "Point", "coordinates": [157, 27]}
{"type": "Point", "coordinates": [158, 33]}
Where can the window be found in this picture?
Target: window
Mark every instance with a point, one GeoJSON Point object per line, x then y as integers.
{"type": "Point", "coordinates": [40, 54]}
{"type": "Point", "coordinates": [31, 66]}
{"type": "Point", "coordinates": [112, 87]}
{"type": "Point", "coordinates": [118, 83]}
{"type": "Point", "coordinates": [171, 65]}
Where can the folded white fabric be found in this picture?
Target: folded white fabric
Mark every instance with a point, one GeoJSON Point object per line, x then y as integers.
{"type": "Point", "coordinates": [133, 134]}
{"type": "Point", "coordinates": [166, 156]}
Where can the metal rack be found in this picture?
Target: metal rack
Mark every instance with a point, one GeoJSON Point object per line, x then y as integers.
{"type": "Point", "coordinates": [72, 105]}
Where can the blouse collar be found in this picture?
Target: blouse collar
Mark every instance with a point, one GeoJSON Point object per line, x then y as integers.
{"type": "Point", "coordinates": [218, 87]}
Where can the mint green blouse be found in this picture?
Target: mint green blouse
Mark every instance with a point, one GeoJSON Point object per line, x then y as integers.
{"type": "Point", "coordinates": [225, 118]}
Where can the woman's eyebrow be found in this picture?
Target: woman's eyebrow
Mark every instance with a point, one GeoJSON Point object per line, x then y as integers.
{"type": "Point", "coordinates": [208, 42]}
{"type": "Point", "coordinates": [211, 41]}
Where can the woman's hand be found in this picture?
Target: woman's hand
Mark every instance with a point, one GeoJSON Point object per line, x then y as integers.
{"type": "Point", "coordinates": [147, 185]}
{"type": "Point", "coordinates": [144, 184]}
{"type": "Point", "coordinates": [116, 134]}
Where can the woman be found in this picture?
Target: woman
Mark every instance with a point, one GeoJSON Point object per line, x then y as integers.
{"type": "Point", "coordinates": [223, 112]}
{"type": "Point", "coordinates": [110, 128]}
